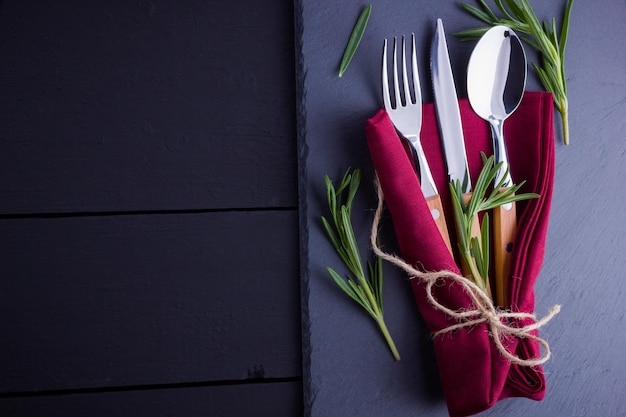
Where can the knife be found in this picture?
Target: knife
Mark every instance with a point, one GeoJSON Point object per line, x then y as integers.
{"type": "Point", "coordinates": [449, 118]}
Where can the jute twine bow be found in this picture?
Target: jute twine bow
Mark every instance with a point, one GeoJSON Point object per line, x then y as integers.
{"type": "Point", "coordinates": [483, 309]}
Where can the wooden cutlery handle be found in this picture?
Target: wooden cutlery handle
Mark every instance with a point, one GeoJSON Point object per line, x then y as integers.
{"type": "Point", "coordinates": [504, 228]}
{"type": "Point", "coordinates": [475, 233]}
{"type": "Point", "coordinates": [436, 209]}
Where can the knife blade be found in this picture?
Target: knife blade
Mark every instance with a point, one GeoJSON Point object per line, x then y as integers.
{"type": "Point", "coordinates": [450, 126]}
{"type": "Point", "coordinates": [448, 114]}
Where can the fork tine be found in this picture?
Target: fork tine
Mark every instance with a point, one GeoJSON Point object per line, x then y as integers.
{"type": "Point", "coordinates": [405, 79]}
{"type": "Point", "coordinates": [396, 87]}
{"type": "Point", "coordinates": [416, 76]}
{"type": "Point", "coordinates": [386, 98]}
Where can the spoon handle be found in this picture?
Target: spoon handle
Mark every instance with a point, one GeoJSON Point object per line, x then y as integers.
{"type": "Point", "coordinates": [504, 228]}
{"type": "Point", "coordinates": [436, 209]}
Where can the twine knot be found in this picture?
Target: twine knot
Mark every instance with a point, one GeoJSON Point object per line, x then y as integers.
{"type": "Point", "coordinates": [499, 322]}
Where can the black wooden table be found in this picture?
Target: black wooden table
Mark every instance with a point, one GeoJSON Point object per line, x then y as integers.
{"type": "Point", "coordinates": [148, 209]}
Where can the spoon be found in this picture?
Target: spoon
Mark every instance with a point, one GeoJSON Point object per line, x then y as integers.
{"type": "Point", "coordinates": [496, 78]}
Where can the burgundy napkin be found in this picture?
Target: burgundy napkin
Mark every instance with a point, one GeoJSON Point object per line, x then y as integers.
{"type": "Point", "coordinates": [473, 372]}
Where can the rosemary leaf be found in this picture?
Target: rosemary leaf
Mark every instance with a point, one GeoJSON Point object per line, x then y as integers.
{"type": "Point", "coordinates": [515, 11]}
{"type": "Point", "coordinates": [475, 254]}
{"type": "Point", "coordinates": [487, 10]}
{"type": "Point", "coordinates": [354, 186]}
{"type": "Point", "coordinates": [565, 28]}
{"type": "Point", "coordinates": [330, 195]}
{"type": "Point", "coordinates": [502, 180]}
{"type": "Point", "coordinates": [345, 181]}
{"type": "Point", "coordinates": [351, 245]}
{"type": "Point", "coordinates": [331, 234]}
{"type": "Point", "coordinates": [376, 273]}
{"type": "Point", "coordinates": [479, 14]}
{"type": "Point", "coordinates": [484, 233]}
{"type": "Point", "coordinates": [378, 276]}
{"type": "Point", "coordinates": [342, 284]}
{"type": "Point", "coordinates": [362, 298]}
{"type": "Point", "coordinates": [366, 290]}
{"type": "Point", "coordinates": [478, 258]}
{"type": "Point", "coordinates": [471, 34]}
{"type": "Point", "coordinates": [355, 39]}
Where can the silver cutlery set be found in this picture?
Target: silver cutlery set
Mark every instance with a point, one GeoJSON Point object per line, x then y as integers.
{"type": "Point", "coordinates": [496, 78]}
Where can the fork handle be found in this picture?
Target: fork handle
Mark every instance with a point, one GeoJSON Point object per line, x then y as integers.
{"type": "Point", "coordinates": [436, 210]}
{"type": "Point", "coordinates": [504, 228]}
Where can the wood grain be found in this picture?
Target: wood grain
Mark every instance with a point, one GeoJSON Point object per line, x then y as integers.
{"type": "Point", "coordinates": [136, 300]}
{"type": "Point", "coordinates": [148, 209]}
{"type": "Point", "coordinates": [141, 106]}
{"type": "Point", "coordinates": [504, 228]}
{"type": "Point", "coordinates": [474, 233]}
{"type": "Point", "coordinates": [277, 399]}
{"type": "Point", "coordinates": [436, 209]}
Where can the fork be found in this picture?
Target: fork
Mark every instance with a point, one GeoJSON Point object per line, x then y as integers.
{"type": "Point", "coordinates": [407, 119]}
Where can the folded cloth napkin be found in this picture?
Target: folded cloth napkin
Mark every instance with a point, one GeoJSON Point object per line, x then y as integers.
{"type": "Point", "coordinates": [474, 373]}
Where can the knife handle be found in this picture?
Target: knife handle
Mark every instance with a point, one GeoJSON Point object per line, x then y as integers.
{"type": "Point", "coordinates": [504, 228]}
{"type": "Point", "coordinates": [475, 233]}
{"type": "Point", "coordinates": [436, 210]}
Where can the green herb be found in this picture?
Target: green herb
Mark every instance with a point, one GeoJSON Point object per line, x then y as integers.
{"type": "Point", "coordinates": [368, 292]}
{"type": "Point", "coordinates": [544, 37]}
{"type": "Point", "coordinates": [355, 39]}
{"type": "Point", "coordinates": [475, 254]}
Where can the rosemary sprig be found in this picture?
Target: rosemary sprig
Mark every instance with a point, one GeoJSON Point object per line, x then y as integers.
{"type": "Point", "coordinates": [367, 292]}
{"type": "Point", "coordinates": [543, 36]}
{"type": "Point", "coordinates": [355, 38]}
{"type": "Point", "coordinates": [475, 254]}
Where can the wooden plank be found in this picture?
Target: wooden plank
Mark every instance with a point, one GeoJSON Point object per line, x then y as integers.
{"type": "Point", "coordinates": [584, 264]}
{"type": "Point", "coordinates": [282, 399]}
{"type": "Point", "coordinates": [118, 106]}
{"type": "Point", "coordinates": [132, 300]}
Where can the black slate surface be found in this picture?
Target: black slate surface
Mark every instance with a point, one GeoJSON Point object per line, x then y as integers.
{"type": "Point", "coordinates": [351, 372]}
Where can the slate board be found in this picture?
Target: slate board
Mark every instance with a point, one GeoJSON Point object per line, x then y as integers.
{"type": "Point", "coordinates": [350, 371]}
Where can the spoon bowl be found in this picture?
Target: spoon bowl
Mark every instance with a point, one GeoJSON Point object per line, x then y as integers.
{"type": "Point", "coordinates": [496, 78]}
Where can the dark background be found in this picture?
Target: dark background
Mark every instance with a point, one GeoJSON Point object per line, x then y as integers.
{"type": "Point", "coordinates": [148, 209]}
{"type": "Point", "coordinates": [151, 192]}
